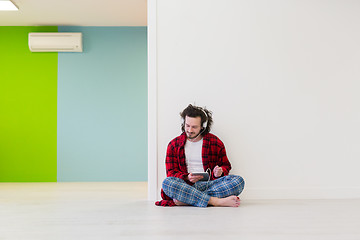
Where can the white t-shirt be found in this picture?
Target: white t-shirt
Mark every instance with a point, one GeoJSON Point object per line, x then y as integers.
{"type": "Point", "coordinates": [193, 156]}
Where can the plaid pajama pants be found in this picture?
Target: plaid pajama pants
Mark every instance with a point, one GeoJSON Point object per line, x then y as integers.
{"type": "Point", "coordinates": [199, 194]}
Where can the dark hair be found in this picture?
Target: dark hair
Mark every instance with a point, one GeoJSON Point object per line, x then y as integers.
{"type": "Point", "coordinates": [195, 111]}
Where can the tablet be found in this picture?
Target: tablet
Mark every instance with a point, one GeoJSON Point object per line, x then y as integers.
{"type": "Point", "coordinates": [204, 174]}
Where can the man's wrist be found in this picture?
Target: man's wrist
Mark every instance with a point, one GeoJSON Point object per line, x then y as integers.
{"type": "Point", "coordinates": [186, 177]}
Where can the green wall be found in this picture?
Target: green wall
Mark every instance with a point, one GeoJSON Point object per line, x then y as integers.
{"type": "Point", "coordinates": [28, 99]}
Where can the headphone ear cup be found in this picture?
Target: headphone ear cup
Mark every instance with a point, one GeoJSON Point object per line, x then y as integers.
{"type": "Point", "coordinates": [204, 125]}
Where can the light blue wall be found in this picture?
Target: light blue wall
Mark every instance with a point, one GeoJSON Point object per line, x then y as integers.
{"type": "Point", "coordinates": [102, 106]}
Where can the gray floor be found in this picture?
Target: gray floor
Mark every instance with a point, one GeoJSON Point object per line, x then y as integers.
{"type": "Point", "coordinates": [121, 211]}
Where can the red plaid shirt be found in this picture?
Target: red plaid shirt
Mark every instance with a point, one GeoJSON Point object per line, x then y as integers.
{"type": "Point", "coordinates": [213, 153]}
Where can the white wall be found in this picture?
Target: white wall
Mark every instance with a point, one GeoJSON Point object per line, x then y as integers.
{"type": "Point", "coordinates": [282, 79]}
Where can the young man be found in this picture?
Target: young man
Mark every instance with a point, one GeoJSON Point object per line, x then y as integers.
{"type": "Point", "coordinates": [197, 150]}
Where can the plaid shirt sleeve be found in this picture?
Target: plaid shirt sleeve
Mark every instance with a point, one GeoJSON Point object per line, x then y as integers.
{"type": "Point", "coordinates": [214, 153]}
{"type": "Point", "coordinates": [225, 164]}
{"type": "Point", "coordinates": [175, 159]}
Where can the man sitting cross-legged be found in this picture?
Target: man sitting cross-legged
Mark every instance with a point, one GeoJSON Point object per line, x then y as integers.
{"type": "Point", "coordinates": [197, 150]}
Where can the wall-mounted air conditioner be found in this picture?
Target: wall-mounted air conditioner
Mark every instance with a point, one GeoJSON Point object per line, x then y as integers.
{"type": "Point", "coordinates": [55, 42]}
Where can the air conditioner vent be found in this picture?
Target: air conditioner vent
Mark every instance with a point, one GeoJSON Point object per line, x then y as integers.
{"type": "Point", "coordinates": [55, 42]}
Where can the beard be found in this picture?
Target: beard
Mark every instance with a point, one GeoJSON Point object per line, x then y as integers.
{"type": "Point", "coordinates": [192, 135]}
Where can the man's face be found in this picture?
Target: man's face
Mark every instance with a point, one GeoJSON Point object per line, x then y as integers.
{"type": "Point", "coordinates": [192, 126]}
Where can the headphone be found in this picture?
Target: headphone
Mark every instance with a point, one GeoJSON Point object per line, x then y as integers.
{"type": "Point", "coordinates": [204, 125]}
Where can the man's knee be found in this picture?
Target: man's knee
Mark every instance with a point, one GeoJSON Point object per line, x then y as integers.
{"type": "Point", "coordinates": [167, 181]}
{"type": "Point", "coordinates": [239, 183]}
{"type": "Point", "coordinates": [171, 181]}
{"type": "Point", "coordinates": [171, 186]}
{"type": "Point", "coordinates": [167, 185]}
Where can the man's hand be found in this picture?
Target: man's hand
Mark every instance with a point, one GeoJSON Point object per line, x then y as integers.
{"type": "Point", "coordinates": [218, 171]}
{"type": "Point", "coordinates": [194, 178]}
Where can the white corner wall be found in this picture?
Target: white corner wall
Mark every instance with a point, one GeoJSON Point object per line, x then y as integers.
{"type": "Point", "coordinates": [282, 79]}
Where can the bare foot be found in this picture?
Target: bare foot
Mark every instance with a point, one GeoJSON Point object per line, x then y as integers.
{"type": "Point", "coordinates": [231, 201]}
{"type": "Point", "coordinates": [178, 203]}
